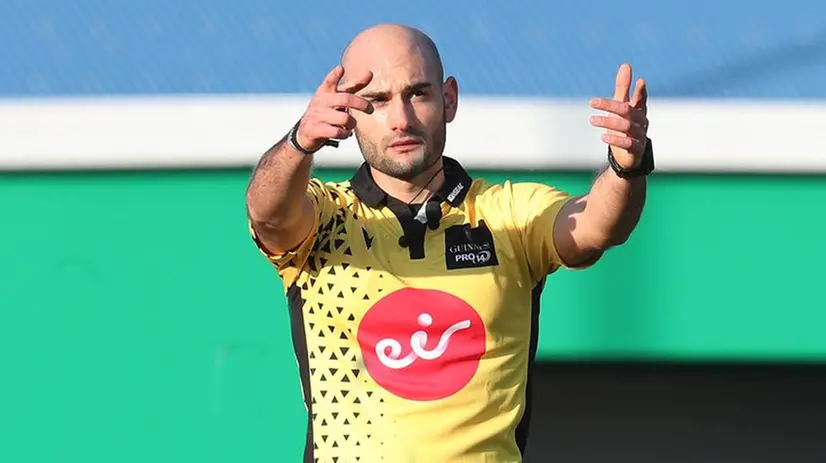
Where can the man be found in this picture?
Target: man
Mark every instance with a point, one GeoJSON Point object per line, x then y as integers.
{"type": "Point", "coordinates": [414, 289]}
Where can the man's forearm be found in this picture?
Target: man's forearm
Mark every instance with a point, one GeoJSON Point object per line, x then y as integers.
{"type": "Point", "coordinates": [614, 208]}
{"type": "Point", "coordinates": [278, 184]}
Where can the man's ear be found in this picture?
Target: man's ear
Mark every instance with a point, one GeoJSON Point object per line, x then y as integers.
{"type": "Point", "coordinates": [450, 93]}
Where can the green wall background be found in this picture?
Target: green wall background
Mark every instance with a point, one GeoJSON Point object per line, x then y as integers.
{"type": "Point", "coordinates": [140, 324]}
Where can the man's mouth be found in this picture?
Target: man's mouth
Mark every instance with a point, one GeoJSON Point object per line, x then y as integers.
{"type": "Point", "coordinates": [405, 144]}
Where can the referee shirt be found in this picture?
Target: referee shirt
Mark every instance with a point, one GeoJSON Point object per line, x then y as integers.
{"type": "Point", "coordinates": [415, 332]}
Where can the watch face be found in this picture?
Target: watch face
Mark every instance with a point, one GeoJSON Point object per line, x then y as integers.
{"type": "Point", "coordinates": [648, 158]}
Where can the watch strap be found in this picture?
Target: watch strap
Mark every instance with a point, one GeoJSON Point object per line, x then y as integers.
{"type": "Point", "coordinates": [292, 139]}
{"type": "Point", "coordinates": [645, 167]}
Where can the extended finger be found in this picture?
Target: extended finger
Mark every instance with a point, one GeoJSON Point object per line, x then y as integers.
{"type": "Point", "coordinates": [619, 108]}
{"type": "Point", "coordinates": [612, 123]}
{"type": "Point", "coordinates": [619, 124]}
{"type": "Point", "coordinates": [331, 81]}
{"type": "Point", "coordinates": [348, 100]}
{"type": "Point", "coordinates": [356, 83]}
{"type": "Point", "coordinates": [623, 83]}
{"type": "Point", "coordinates": [629, 144]}
{"type": "Point", "coordinates": [335, 117]}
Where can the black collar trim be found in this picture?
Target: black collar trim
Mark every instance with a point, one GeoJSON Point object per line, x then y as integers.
{"type": "Point", "coordinates": [455, 188]}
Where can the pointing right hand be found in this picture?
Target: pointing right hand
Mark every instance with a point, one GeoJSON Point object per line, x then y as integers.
{"type": "Point", "coordinates": [327, 116]}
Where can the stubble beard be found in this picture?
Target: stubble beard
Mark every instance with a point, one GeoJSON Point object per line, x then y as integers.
{"type": "Point", "coordinates": [409, 167]}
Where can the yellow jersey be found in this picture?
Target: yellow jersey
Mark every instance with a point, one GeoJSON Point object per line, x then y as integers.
{"type": "Point", "coordinates": [415, 327]}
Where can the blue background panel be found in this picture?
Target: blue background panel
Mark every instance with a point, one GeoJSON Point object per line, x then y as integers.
{"type": "Point", "coordinates": [563, 48]}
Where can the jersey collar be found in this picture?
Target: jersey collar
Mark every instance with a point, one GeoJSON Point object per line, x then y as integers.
{"type": "Point", "coordinates": [455, 188]}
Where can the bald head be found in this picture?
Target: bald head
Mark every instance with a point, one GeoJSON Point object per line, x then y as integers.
{"type": "Point", "coordinates": [404, 136]}
{"type": "Point", "coordinates": [389, 44]}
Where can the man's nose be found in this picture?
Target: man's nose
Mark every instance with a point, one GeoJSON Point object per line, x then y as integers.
{"type": "Point", "coordinates": [400, 115]}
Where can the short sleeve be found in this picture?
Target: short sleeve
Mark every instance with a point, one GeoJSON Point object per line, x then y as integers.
{"type": "Point", "coordinates": [535, 208]}
{"type": "Point", "coordinates": [289, 264]}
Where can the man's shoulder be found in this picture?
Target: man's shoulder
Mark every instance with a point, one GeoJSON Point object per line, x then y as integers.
{"type": "Point", "coordinates": [341, 187]}
{"type": "Point", "coordinates": [507, 190]}
{"type": "Point", "coordinates": [337, 192]}
{"type": "Point", "coordinates": [510, 203]}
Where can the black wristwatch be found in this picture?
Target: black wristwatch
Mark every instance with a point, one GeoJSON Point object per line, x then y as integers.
{"type": "Point", "coordinates": [292, 138]}
{"type": "Point", "coordinates": [645, 168]}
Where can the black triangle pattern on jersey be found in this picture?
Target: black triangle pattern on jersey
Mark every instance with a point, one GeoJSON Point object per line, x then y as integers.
{"type": "Point", "coordinates": [368, 240]}
{"type": "Point", "coordinates": [335, 295]}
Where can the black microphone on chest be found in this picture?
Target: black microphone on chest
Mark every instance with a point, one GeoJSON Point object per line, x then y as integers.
{"type": "Point", "coordinates": [433, 212]}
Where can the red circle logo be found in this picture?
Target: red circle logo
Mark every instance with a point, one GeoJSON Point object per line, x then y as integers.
{"type": "Point", "coordinates": [421, 344]}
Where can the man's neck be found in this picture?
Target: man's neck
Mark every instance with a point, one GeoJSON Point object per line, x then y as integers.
{"type": "Point", "coordinates": [416, 190]}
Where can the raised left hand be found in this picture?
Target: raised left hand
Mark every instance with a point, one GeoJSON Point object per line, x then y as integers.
{"type": "Point", "coordinates": [627, 127]}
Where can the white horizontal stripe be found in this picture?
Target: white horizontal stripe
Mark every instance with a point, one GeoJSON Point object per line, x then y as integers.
{"type": "Point", "coordinates": [230, 131]}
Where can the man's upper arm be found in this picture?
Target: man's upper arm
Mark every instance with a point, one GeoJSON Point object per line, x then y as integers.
{"type": "Point", "coordinates": [545, 216]}
{"type": "Point", "coordinates": [288, 234]}
{"type": "Point", "coordinates": [570, 238]}
{"type": "Point", "coordinates": [289, 258]}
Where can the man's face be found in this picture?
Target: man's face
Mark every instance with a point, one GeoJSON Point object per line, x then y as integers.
{"type": "Point", "coordinates": [405, 134]}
